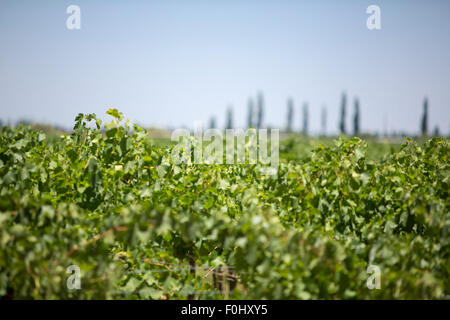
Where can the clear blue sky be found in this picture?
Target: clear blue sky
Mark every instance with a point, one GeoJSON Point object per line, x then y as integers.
{"type": "Point", "coordinates": [170, 63]}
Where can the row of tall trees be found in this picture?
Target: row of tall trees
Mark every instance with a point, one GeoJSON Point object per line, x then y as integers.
{"type": "Point", "coordinates": [255, 116]}
{"type": "Point", "coordinates": [342, 128]}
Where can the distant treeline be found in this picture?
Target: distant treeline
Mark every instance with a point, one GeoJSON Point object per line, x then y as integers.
{"type": "Point", "coordinates": [255, 117]}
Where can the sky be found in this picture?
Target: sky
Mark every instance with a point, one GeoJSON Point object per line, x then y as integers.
{"type": "Point", "coordinates": [170, 63]}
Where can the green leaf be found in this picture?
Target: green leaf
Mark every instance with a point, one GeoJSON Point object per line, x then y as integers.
{"type": "Point", "coordinates": [115, 113]}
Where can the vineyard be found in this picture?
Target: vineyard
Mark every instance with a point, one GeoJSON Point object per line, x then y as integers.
{"type": "Point", "coordinates": [108, 199]}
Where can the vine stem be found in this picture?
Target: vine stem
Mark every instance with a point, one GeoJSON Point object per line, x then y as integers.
{"type": "Point", "coordinates": [96, 238]}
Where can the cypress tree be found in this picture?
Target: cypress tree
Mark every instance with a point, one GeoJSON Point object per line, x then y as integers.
{"type": "Point", "coordinates": [212, 123]}
{"type": "Point", "coordinates": [424, 126]}
{"type": "Point", "coordinates": [305, 119]}
{"type": "Point", "coordinates": [436, 132]}
{"type": "Point", "coordinates": [290, 114]}
{"type": "Point", "coordinates": [324, 120]}
{"type": "Point", "coordinates": [250, 116]}
{"type": "Point", "coordinates": [229, 124]}
{"type": "Point", "coordinates": [356, 118]}
{"type": "Point", "coordinates": [260, 114]}
{"type": "Point", "coordinates": [342, 120]}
